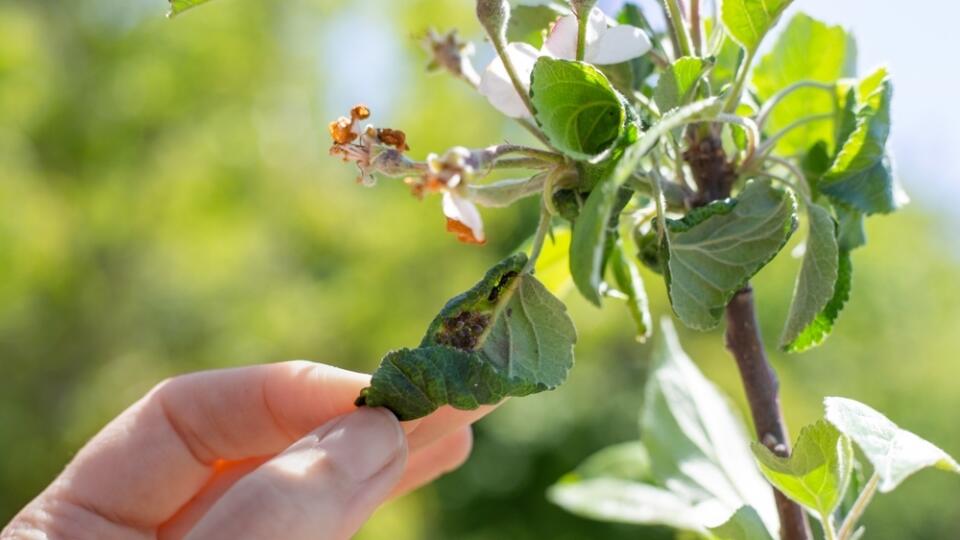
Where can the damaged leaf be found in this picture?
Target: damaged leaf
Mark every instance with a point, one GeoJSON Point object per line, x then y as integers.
{"type": "Point", "coordinates": [507, 336]}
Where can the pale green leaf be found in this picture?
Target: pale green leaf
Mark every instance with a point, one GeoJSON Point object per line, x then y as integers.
{"type": "Point", "coordinates": [807, 50]}
{"type": "Point", "coordinates": [507, 336]}
{"type": "Point", "coordinates": [698, 446]}
{"type": "Point", "coordinates": [716, 249]}
{"type": "Point", "coordinates": [748, 21]}
{"type": "Point", "coordinates": [623, 501]}
{"type": "Point", "coordinates": [745, 524]}
{"type": "Point", "coordinates": [677, 83]}
{"type": "Point", "coordinates": [625, 461]}
{"type": "Point", "coordinates": [816, 473]}
{"type": "Point", "coordinates": [895, 453]}
{"type": "Point", "coordinates": [628, 281]}
{"type": "Point", "coordinates": [818, 276]}
{"type": "Point", "coordinates": [179, 6]}
{"type": "Point", "coordinates": [692, 469]}
{"type": "Point", "coordinates": [576, 106]}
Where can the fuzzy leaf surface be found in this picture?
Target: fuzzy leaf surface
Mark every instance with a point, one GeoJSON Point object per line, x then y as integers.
{"type": "Point", "coordinates": [507, 336]}
{"type": "Point", "coordinates": [894, 452]}
{"type": "Point", "coordinates": [816, 282]}
{"type": "Point", "coordinates": [576, 106]}
{"type": "Point", "coordinates": [714, 250]}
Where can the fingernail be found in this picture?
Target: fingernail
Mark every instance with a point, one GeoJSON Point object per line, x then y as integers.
{"type": "Point", "coordinates": [364, 442]}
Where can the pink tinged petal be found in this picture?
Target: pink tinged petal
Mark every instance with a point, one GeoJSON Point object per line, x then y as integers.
{"type": "Point", "coordinates": [618, 44]}
{"type": "Point", "coordinates": [562, 41]}
{"type": "Point", "coordinates": [463, 218]}
{"type": "Point", "coordinates": [497, 87]}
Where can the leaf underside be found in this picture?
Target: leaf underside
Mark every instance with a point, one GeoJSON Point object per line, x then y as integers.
{"type": "Point", "coordinates": [507, 336]}
{"type": "Point", "coordinates": [894, 452]}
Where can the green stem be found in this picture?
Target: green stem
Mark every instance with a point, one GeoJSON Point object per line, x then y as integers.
{"type": "Point", "coordinates": [859, 506]}
{"type": "Point", "coordinates": [521, 89]}
{"type": "Point", "coordinates": [735, 94]}
{"type": "Point", "coordinates": [768, 144]}
{"type": "Point", "coordinates": [582, 35]}
{"type": "Point", "coordinates": [543, 229]}
{"type": "Point", "coordinates": [505, 192]}
{"type": "Point", "coordinates": [774, 100]}
{"type": "Point", "coordinates": [678, 28]}
{"type": "Point", "coordinates": [829, 530]}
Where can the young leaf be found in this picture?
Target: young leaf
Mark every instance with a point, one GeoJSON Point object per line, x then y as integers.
{"type": "Point", "coordinates": [851, 232]}
{"type": "Point", "coordinates": [677, 83]}
{"type": "Point", "coordinates": [624, 501]}
{"type": "Point", "coordinates": [529, 23]}
{"type": "Point", "coordinates": [697, 444]}
{"type": "Point", "coordinates": [553, 265]}
{"type": "Point", "coordinates": [818, 470]}
{"type": "Point", "coordinates": [861, 175]}
{"type": "Point", "coordinates": [714, 250]}
{"type": "Point", "coordinates": [507, 336]}
{"type": "Point", "coordinates": [818, 330]}
{"type": "Point", "coordinates": [748, 21]}
{"type": "Point", "coordinates": [745, 524]}
{"type": "Point", "coordinates": [179, 6]}
{"type": "Point", "coordinates": [625, 461]}
{"type": "Point", "coordinates": [576, 106]}
{"type": "Point", "coordinates": [790, 61]}
{"type": "Point", "coordinates": [818, 277]}
{"type": "Point", "coordinates": [692, 468]}
{"type": "Point", "coordinates": [628, 281]}
{"type": "Point", "coordinates": [895, 453]}
{"type": "Point", "coordinates": [590, 233]}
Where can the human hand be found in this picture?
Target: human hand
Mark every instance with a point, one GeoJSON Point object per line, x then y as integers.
{"type": "Point", "coordinates": [237, 453]}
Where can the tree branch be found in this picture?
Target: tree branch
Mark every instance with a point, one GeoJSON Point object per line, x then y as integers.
{"type": "Point", "coordinates": [761, 386]}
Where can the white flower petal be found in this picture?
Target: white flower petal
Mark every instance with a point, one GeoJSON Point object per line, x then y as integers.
{"type": "Point", "coordinates": [618, 44]}
{"type": "Point", "coordinates": [496, 86]}
{"type": "Point", "coordinates": [562, 41]}
{"type": "Point", "coordinates": [462, 210]}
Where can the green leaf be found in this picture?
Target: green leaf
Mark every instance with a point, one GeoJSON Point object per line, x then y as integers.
{"type": "Point", "coordinates": [818, 330]}
{"type": "Point", "coordinates": [745, 524]}
{"type": "Point", "coordinates": [529, 23]}
{"type": "Point", "coordinates": [624, 461]}
{"type": "Point", "coordinates": [861, 174]}
{"type": "Point", "coordinates": [677, 83]}
{"type": "Point", "coordinates": [628, 281]}
{"type": "Point", "coordinates": [179, 6]}
{"type": "Point", "coordinates": [624, 501]}
{"type": "Point", "coordinates": [692, 469]}
{"type": "Point", "coordinates": [587, 250]}
{"type": "Point", "coordinates": [748, 21]}
{"type": "Point", "coordinates": [895, 453]}
{"type": "Point", "coordinates": [851, 232]}
{"type": "Point", "coordinates": [818, 277]}
{"type": "Point", "coordinates": [791, 61]}
{"type": "Point", "coordinates": [507, 336]}
{"type": "Point", "coordinates": [576, 106]}
{"type": "Point", "coordinates": [697, 444]}
{"type": "Point", "coordinates": [553, 265]}
{"type": "Point", "coordinates": [716, 249]}
{"type": "Point", "coordinates": [818, 470]}
{"type": "Point", "coordinates": [727, 56]}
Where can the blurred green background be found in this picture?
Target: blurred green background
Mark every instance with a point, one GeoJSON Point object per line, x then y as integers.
{"type": "Point", "coordinates": [167, 204]}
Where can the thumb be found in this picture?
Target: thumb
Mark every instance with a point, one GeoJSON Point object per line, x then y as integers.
{"type": "Point", "coordinates": [323, 487]}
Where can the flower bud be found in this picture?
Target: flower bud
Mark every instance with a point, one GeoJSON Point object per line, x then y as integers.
{"type": "Point", "coordinates": [494, 16]}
